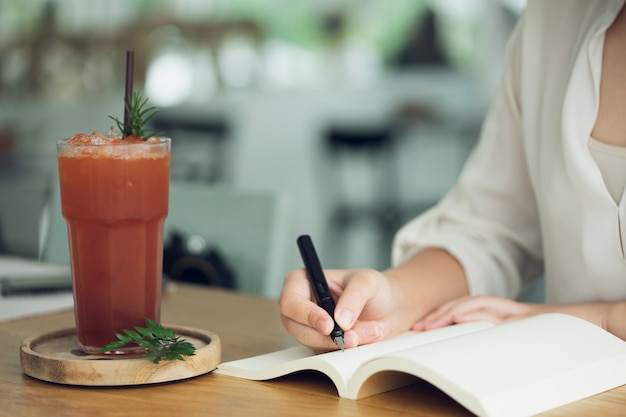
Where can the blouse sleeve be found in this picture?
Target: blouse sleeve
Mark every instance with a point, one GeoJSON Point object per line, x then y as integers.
{"type": "Point", "coordinates": [489, 219]}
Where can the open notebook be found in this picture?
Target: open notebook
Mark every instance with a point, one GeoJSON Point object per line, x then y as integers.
{"type": "Point", "coordinates": [515, 369]}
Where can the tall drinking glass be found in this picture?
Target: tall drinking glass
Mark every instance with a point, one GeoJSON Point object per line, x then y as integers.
{"type": "Point", "coordinates": [114, 198]}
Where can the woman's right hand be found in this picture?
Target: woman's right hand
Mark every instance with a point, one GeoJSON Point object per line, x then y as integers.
{"type": "Point", "coordinates": [364, 309]}
{"type": "Point", "coordinates": [371, 305]}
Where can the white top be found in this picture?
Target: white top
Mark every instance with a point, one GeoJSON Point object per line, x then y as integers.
{"type": "Point", "coordinates": [612, 163]}
{"type": "Point", "coordinates": [531, 199]}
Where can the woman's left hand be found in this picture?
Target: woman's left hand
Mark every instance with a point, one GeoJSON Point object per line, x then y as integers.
{"type": "Point", "coordinates": [477, 308]}
{"type": "Point", "coordinates": [608, 315]}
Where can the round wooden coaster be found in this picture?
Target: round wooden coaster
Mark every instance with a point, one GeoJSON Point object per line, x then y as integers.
{"type": "Point", "coordinates": [56, 357]}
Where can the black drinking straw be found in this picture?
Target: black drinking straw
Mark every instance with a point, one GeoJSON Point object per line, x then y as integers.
{"type": "Point", "coordinates": [128, 94]}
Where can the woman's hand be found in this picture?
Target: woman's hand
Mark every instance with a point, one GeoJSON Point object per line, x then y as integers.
{"type": "Point", "coordinates": [478, 308]}
{"type": "Point", "coordinates": [364, 309]}
{"type": "Point", "coordinates": [608, 315]}
{"type": "Point", "coordinates": [371, 305]}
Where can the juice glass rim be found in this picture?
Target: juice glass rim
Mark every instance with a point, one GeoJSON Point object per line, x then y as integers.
{"type": "Point", "coordinates": [119, 142]}
{"type": "Point", "coordinates": [118, 149]}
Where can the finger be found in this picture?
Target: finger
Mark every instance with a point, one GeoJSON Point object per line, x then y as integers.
{"type": "Point", "coordinates": [496, 306]}
{"type": "Point", "coordinates": [434, 323]}
{"type": "Point", "coordinates": [445, 314]}
{"type": "Point", "coordinates": [297, 305]}
{"type": "Point", "coordinates": [442, 316]}
{"type": "Point", "coordinates": [312, 338]}
{"type": "Point", "coordinates": [504, 309]}
{"type": "Point", "coordinates": [488, 308]}
{"type": "Point", "coordinates": [479, 315]}
{"type": "Point", "coordinates": [367, 332]}
{"type": "Point", "coordinates": [359, 288]}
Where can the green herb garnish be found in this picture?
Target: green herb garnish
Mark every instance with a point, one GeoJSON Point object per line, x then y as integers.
{"type": "Point", "coordinates": [138, 116]}
{"type": "Point", "coordinates": [157, 342]}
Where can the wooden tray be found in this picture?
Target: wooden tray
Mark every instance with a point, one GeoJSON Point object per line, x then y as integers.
{"type": "Point", "coordinates": [56, 357]}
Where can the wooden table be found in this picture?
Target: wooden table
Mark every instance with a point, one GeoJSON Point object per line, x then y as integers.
{"type": "Point", "coordinates": [247, 326]}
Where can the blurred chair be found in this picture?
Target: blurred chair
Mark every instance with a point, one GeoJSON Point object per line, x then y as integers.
{"type": "Point", "coordinates": [381, 206]}
{"type": "Point", "coordinates": [203, 143]}
{"type": "Point", "coordinates": [53, 244]}
{"type": "Point", "coordinates": [21, 197]}
{"type": "Point", "coordinates": [247, 227]}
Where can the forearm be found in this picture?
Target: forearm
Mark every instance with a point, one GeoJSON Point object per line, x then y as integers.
{"type": "Point", "coordinates": [426, 281]}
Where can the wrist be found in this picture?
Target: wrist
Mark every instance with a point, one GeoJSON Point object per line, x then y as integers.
{"type": "Point", "coordinates": [429, 279]}
{"type": "Point", "coordinates": [609, 315]}
{"type": "Point", "coordinates": [614, 319]}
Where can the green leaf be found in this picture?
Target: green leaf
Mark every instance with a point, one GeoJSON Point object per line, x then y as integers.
{"type": "Point", "coordinates": [113, 346]}
{"type": "Point", "coordinates": [144, 331]}
{"type": "Point", "coordinates": [157, 342]}
{"type": "Point", "coordinates": [138, 116]}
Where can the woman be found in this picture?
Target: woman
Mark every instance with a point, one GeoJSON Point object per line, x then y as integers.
{"type": "Point", "coordinates": [542, 192]}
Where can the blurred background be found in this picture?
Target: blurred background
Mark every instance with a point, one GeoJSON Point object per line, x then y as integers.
{"type": "Point", "coordinates": [358, 113]}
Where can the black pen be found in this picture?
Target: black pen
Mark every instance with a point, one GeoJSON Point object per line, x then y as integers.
{"type": "Point", "coordinates": [319, 284]}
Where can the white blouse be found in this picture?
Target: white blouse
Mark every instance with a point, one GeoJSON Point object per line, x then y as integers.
{"type": "Point", "coordinates": [531, 198]}
{"type": "Point", "coordinates": [612, 163]}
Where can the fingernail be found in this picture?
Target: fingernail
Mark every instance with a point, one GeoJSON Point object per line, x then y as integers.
{"type": "Point", "coordinates": [344, 319]}
{"type": "Point", "coordinates": [371, 332]}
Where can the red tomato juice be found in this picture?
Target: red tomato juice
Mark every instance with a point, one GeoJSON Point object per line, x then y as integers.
{"type": "Point", "coordinates": [114, 198]}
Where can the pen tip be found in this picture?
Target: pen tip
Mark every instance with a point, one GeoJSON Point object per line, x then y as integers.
{"type": "Point", "coordinates": [339, 342]}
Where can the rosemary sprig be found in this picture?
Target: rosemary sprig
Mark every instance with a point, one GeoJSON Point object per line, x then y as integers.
{"type": "Point", "coordinates": [138, 116]}
{"type": "Point", "coordinates": [157, 342]}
